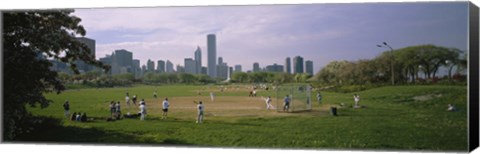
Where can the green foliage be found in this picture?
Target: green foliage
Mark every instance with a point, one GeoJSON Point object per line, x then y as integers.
{"type": "Point", "coordinates": [27, 37]}
{"type": "Point", "coordinates": [407, 63]}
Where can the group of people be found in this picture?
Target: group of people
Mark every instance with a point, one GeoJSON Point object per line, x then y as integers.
{"type": "Point", "coordinates": [75, 116]}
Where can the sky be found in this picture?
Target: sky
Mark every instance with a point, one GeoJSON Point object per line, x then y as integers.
{"type": "Point", "coordinates": [267, 34]}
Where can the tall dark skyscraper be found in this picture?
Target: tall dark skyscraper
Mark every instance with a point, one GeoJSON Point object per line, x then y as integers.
{"type": "Point", "coordinates": [297, 64]}
{"type": "Point", "coordinates": [122, 62]}
{"type": "Point", "coordinates": [256, 67]}
{"type": "Point", "coordinates": [212, 55]}
{"type": "Point", "coordinates": [288, 65]}
{"type": "Point", "coordinates": [309, 67]}
{"type": "Point", "coordinates": [81, 65]}
{"type": "Point", "coordinates": [160, 66]}
{"type": "Point", "coordinates": [198, 60]}
{"type": "Point", "coordinates": [150, 66]}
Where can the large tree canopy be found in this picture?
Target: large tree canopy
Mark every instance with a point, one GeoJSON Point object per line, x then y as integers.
{"type": "Point", "coordinates": [30, 38]}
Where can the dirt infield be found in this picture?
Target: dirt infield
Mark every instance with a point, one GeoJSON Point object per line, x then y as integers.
{"type": "Point", "coordinates": [223, 107]}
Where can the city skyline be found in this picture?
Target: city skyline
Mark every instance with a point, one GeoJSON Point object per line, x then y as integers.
{"type": "Point", "coordinates": [269, 33]}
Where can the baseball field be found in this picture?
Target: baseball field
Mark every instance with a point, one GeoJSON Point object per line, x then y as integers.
{"type": "Point", "coordinates": [391, 118]}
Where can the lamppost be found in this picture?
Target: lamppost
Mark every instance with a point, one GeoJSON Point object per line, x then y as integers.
{"type": "Point", "coordinates": [391, 62]}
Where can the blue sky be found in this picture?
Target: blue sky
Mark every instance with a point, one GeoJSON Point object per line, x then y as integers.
{"type": "Point", "coordinates": [269, 33]}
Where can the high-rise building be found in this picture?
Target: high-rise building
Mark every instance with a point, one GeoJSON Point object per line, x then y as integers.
{"type": "Point", "coordinates": [180, 69]}
{"type": "Point", "coordinates": [144, 70]}
{"type": "Point", "coordinates": [212, 55]}
{"type": "Point", "coordinates": [256, 67]}
{"type": "Point", "coordinates": [288, 65]}
{"type": "Point", "coordinates": [230, 72]}
{"type": "Point", "coordinates": [297, 64]}
{"type": "Point", "coordinates": [220, 60]}
{"type": "Point", "coordinates": [198, 60]}
{"type": "Point", "coordinates": [81, 65]}
{"type": "Point", "coordinates": [136, 68]}
{"type": "Point", "coordinates": [204, 70]}
{"type": "Point", "coordinates": [122, 62]}
{"type": "Point", "coordinates": [190, 66]}
{"type": "Point", "coordinates": [238, 68]}
{"type": "Point", "coordinates": [160, 66]}
{"type": "Point", "coordinates": [169, 67]}
{"type": "Point", "coordinates": [274, 68]}
{"type": "Point", "coordinates": [222, 71]}
{"type": "Point", "coordinates": [309, 67]}
{"type": "Point", "coordinates": [150, 66]}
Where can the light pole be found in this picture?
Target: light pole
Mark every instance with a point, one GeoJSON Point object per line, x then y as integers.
{"type": "Point", "coordinates": [391, 61]}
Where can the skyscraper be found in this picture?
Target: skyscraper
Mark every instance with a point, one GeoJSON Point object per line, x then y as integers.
{"type": "Point", "coordinates": [136, 68]}
{"type": "Point", "coordinates": [90, 43]}
{"type": "Point", "coordinates": [160, 66]}
{"type": "Point", "coordinates": [274, 68]}
{"type": "Point", "coordinates": [288, 65]}
{"type": "Point", "coordinates": [150, 66]}
{"type": "Point", "coordinates": [198, 60]}
{"type": "Point", "coordinates": [212, 55]}
{"type": "Point", "coordinates": [122, 62]}
{"type": "Point", "coordinates": [297, 64]}
{"type": "Point", "coordinates": [190, 66]}
{"type": "Point", "coordinates": [256, 67]}
{"type": "Point", "coordinates": [238, 68]}
{"type": "Point", "coordinates": [169, 67]}
{"type": "Point", "coordinates": [309, 67]}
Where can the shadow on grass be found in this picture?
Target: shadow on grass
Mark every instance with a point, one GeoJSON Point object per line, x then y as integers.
{"type": "Point", "coordinates": [50, 130]}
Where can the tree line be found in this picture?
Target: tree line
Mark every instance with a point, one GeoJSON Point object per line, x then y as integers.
{"type": "Point", "coordinates": [414, 64]}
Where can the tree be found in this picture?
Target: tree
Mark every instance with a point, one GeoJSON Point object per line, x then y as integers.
{"type": "Point", "coordinates": [29, 37]}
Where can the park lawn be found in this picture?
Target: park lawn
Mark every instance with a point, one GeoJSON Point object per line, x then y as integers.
{"type": "Point", "coordinates": [394, 118]}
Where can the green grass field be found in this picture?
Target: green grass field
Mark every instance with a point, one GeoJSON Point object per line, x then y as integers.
{"type": "Point", "coordinates": [394, 118]}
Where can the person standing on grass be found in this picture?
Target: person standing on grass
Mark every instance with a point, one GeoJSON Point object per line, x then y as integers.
{"type": "Point", "coordinates": [134, 99]}
{"type": "Point", "coordinates": [127, 100]}
{"type": "Point", "coordinates": [117, 108]}
{"type": "Point", "coordinates": [112, 108]}
{"type": "Point", "coordinates": [143, 110]}
{"type": "Point", "coordinates": [269, 101]}
{"type": "Point", "coordinates": [165, 106]}
{"type": "Point", "coordinates": [212, 96]}
{"type": "Point", "coordinates": [356, 98]}
{"type": "Point", "coordinates": [66, 107]}
{"type": "Point", "coordinates": [155, 94]}
{"type": "Point", "coordinates": [286, 103]}
{"type": "Point", "coordinates": [200, 110]}
{"type": "Point", "coordinates": [319, 97]}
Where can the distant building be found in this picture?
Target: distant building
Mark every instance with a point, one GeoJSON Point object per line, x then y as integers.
{"type": "Point", "coordinates": [274, 68]}
{"type": "Point", "coordinates": [297, 64]}
{"type": "Point", "coordinates": [309, 67]}
{"type": "Point", "coordinates": [256, 67]}
{"type": "Point", "coordinates": [190, 66]}
{"type": "Point", "coordinates": [212, 55]}
{"type": "Point", "coordinates": [122, 62]}
{"type": "Point", "coordinates": [222, 69]}
{"type": "Point", "coordinates": [150, 66]}
{"type": "Point", "coordinates": [180, 69]}
{"type": "Point", "coordinates": [288, 65]}
{"type": "Point", "coordinates": [144, 70]}
{"type": "Point", "coordinates": [161, 66]}
{"type": "Point", "coordinates": [136, 68]}
{"type": "Point", "coordinates": [81, 65]}
{"type": "Point", "coordinates": [169, 67]}
{"type": "Point", "coordinates": [204, 70]}
{"type": "Point", "coordinates": [198, 60]}
{"type": "Point", "coordinates": [238, 68]}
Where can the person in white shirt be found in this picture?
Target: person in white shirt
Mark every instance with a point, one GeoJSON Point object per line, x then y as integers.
{"type": "Point", "coordinates": [200, 110]}
{"type": "Point", "coordinates": [269, 101]}
{"type": "Point", "coordinates": [143, 110]}
{"type": "Point", "coordinates": [356, 98]}
{"type": "Point", "coordinates": [165, 106]}
{"type": "Point", "coordinates": [212, 96]}
{"type": "Point", "coordinates": [127, 99]}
